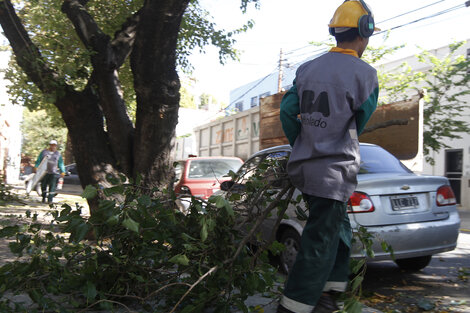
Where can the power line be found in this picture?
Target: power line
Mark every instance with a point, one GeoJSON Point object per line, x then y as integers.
{"type": "Point", "coordinates": [406, 13]}
{"type": "Point", "coordinates": [423, 18]}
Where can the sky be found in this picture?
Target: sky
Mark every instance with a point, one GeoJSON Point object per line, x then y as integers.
{"type": "Point", "coordinates": [292, 25]}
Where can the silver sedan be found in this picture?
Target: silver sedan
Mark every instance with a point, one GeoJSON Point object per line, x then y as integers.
{"type": "Point", "coordinates": [415, 214]}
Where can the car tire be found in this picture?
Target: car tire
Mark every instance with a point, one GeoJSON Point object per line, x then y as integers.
{"type": "Point", "coordinates": [414, 264]}
{"type": "Point", "coordinates": [291, 240]}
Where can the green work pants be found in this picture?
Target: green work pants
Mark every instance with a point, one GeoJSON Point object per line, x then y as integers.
{"type": "Point", "coordinates": [49, 180]}
{"type": "Point", "coordinates": [322, 263]}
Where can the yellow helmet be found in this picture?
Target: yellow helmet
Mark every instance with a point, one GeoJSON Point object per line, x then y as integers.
{"type": "Point", "coordinates": [354, 14]}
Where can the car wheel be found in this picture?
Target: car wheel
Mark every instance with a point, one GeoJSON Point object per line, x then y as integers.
{"type": "Point", "coordinates": [291, 241]}
{"type": "Point", "coordinates": [414, 264]}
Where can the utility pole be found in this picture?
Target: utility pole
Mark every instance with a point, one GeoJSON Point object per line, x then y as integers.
{"type": "Point", "coordinates": [279, 79]}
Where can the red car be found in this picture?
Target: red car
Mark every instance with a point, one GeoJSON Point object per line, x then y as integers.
{"type": "Point", "coordinates": [201, 176]}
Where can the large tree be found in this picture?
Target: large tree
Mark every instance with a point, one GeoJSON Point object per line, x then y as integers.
{"type": "Point", "coordinates": [92, 60]}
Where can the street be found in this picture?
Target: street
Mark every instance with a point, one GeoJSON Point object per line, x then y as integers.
{"type": "Point", "coordinates": [443, 286]}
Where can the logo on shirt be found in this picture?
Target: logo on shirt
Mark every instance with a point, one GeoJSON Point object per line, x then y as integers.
{"type": "Point", "coordinates": [321, 105]}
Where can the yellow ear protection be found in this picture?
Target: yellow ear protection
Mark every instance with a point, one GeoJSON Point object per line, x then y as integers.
{"type": "Point", "coordinates": [365, 22]}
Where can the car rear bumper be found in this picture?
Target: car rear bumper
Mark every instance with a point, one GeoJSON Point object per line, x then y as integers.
{"type": "Point", "coordinates": [414, 239]}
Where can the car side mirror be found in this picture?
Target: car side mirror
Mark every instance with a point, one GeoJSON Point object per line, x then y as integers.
{"type": "Point", "coordinates": [226, 185]}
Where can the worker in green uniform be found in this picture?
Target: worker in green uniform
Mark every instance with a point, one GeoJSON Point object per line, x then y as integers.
{"type": "Point", "coordinates": [335, 95]}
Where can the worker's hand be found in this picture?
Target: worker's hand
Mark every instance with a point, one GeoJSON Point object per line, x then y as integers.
{"type": "Point", "coordinates": [62, 174]}
{"type": "Point", "coordinates": [34, 170]}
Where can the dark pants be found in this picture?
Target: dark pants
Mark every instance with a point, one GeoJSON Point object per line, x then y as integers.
{"type": "Point", "coordinates": [322, 263]}
{"type": "Point", "coordinates": [49, 180]}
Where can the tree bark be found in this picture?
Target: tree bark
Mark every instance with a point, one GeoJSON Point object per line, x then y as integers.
{"type": "Point", "coordinates": [156, 82]}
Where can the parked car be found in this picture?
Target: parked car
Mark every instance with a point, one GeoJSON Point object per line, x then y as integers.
{"type": "Point", "coordinates": [415, 214]}
{"type": "Point", "coordinates": [201, 176]}
{"type": "Point", "coordinates": [71, 175]}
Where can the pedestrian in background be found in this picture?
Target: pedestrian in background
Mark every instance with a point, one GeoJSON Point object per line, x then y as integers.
{"type": "Point", "coordinates": [335, 95]}
{"type": "Point", "coordinates": [55, 169]}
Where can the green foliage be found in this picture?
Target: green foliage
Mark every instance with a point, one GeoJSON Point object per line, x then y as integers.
{"type": "Point", "coordinates": [59, 44]}
{"type": "Point", "coordinates": [187, 99]}
{"type": "Point", "coordinates": [38, 128]}
{"type": "Point", "coordinates": [446, 85]}
{"type": "Point", "coordinates": [144, 253]}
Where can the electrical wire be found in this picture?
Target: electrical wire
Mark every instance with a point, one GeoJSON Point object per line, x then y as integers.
{"type": "Point", "coordinates": [422, 19]}
{"type": "Point", "coordinates": [412, 11]}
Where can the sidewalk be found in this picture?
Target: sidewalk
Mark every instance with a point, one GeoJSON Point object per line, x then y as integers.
{"type": "Point", "coordinates": [464, 219]}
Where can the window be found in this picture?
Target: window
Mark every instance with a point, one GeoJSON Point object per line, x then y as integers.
{"type": "Point", "coordinates": [271, 166]}
{"type": "Point", "coordinates": [239, 106]}
{"type": "Point", "coordinates": [375, 159]}
{"type": "Point", "coordinates": [254, 102]}
{"type": "Point", "coordinates": [212, 168]}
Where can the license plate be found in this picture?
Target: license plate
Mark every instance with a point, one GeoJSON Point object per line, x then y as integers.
{"type": "Point", "coordinates": [404, 202]}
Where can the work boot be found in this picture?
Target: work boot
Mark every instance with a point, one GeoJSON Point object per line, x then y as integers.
{"type": "Point", "coordinates": [326, 304]}
{"type": "Point", "coordinates": [43, 200]}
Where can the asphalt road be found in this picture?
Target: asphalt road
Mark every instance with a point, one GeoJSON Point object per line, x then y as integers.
{"type": "Point", "coordinates": [443, 286]}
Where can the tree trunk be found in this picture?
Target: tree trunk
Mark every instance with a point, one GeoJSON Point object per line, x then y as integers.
{"type": "Point", "coordinates": [157, 85]}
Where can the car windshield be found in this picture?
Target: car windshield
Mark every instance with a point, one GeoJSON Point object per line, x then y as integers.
{"type": "Point", "coordinates": [210, 168]}
{"type": "Point", "coordinates": [375, 159]}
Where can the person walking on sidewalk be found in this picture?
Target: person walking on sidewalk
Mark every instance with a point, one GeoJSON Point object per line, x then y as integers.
{"type": "Point", "coordinates": [55, 163]}
{"type": "Point", "coordinates": [335, 95]}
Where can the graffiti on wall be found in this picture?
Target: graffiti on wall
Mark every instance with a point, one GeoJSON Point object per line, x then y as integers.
{"type": "Point", "coordinates": [243, 132]}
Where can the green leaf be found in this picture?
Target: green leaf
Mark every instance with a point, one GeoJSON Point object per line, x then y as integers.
{"type": "Point", "coordinates": [353, 306]}
{"type": "Point", "coordinates": [188, 309]}
{"type": "Point", "coordinates": [81, 231]}
{"type": "Point", "coordinates": [90, 291]}
{"type": "Point", "coordinates": [301, 214]}
{"type": "Point", "coordinates": [9, 231]}
{"type": "Point", "coordinates": [181, 259]}
{"type": "Point", "coordinates": [113, 220]}
{"type": "Point", "coordinates": [90, 192]}
{"type": "Point", "coordinates": [220, 202]}
{"type": "Point", "coordinates": [130, 224]}
{"type": "Point", "coordinates": [357, 281]}
{"type": "Point", "coordinates": [204, 232]}
{"type": "Point", "coordinates": [144, 201]}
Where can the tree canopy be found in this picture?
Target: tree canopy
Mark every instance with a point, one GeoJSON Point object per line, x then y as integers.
{"type": "Point", "coordinates": [99, 61]}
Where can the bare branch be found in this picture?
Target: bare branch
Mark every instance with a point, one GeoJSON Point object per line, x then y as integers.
{"type": "Point", "coordinates": [85, 26]}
